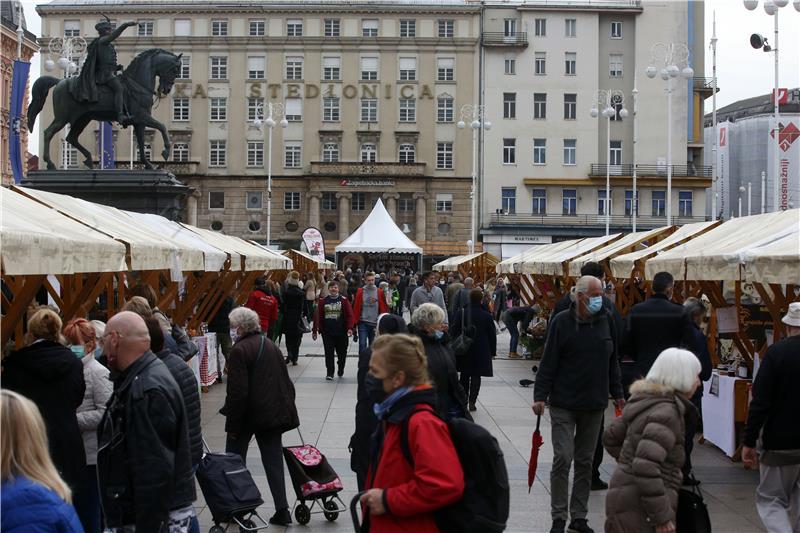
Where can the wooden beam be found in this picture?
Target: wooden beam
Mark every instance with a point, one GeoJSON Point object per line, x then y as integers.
{"type": "Point", "coordinates": [26, 290]}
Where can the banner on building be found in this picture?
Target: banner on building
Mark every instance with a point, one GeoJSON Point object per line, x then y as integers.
{"type": "Point", "coordinates": [18, 83]}
{"type": "Point", "coordinates": [787, 180]}
{"type": "Point", "coordinates": [315, 244]}
{"type": "Point", "coordinates": [723, 167]}
{"type": "Point", "coordinates": [106, 141]}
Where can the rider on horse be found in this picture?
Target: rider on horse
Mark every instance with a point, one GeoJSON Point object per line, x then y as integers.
{"type": "Point", "coordinates": [100, 68]}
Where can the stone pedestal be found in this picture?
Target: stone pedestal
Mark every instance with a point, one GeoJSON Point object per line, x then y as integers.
{"type": "Point", "coordinates": [142, 191]}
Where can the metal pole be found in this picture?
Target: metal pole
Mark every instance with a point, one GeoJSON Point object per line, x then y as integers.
{"type": "Point", "coordinates": [473, 195]}
{"type": "Point", "coordinates": [740, 205]}
{"type": "Point", "coordinates": [669, 152]}
{"type": "Point", "coordinates": [714, 117]}
{"type": "Point", "coordinates": [131, 162]}
{"type": "Point", "coordinates": [635, 199]}
{"type": "Point", "coordinates": [269, 176]}
{"type": "Point", "coordinates": [20, 33]}
{"type": "Point", "coordinates": [777, 177]}
{"type": "Point", "coordinates": [749, 197]}
{"type": "Point", "coordinates": [763, 192]}
{"type": "Point", "coordinates": [607, 205]}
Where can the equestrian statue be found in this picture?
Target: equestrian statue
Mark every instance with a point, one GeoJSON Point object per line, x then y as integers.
{"type": "Point", "coordinates": [100, 93]}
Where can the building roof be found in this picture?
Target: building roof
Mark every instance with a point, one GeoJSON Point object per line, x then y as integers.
{"type": "Point", "coordinates": [756, 105]}
{"type": "Point", "coordinates": [260, 4]}
{"type": "Point", "coordinates": [10, 13]}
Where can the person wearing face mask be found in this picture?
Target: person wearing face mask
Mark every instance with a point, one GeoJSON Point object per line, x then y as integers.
{"type": "Point", "coordinates": [80, 334]}
{"type": "Point", "coordinates": [579, 369]}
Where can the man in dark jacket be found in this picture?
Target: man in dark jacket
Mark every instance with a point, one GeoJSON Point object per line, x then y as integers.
{"type": "Point", "coordinates": [479, 325]}
{"type": "Point", "coordinates": [294, 300]}
{"type": "Point", "coordinates": [144, 463]}
{"type": "Point", "coordinates": [259, 402]}
{"type": "Point", "coordinates": [579, 369]}
{"type": "Point", "coordinates": [221, 326]}
{"type": "Point", "coordinates": [773, 416]}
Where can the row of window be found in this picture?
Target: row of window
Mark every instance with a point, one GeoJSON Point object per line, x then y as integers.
{"type": "Point", "coordinates": [329, 202]}
{"type": "Point", "coordinates": [569, 202]}
{"type": "Point", "coordinates": [540, 106]}
{"type": "Point", "coordinates": [615, 62]}
{"type": "Point", "coordinates": [570, 28]}
{"type": "Point", "coordinates": [569, 152]}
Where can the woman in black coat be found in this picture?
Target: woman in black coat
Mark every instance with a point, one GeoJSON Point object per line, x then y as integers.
{"type": "Point", "coordinates": [294, 301]}
{"type": "Point", "coordinates": [477, 362]}
{"type": "Point", "coordinates": [49, 374]}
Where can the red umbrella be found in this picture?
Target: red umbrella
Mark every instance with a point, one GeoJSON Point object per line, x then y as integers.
{"type": "Point", "coordinates": [536, 443]}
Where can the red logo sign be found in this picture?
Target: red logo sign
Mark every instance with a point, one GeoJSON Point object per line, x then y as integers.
{"type": "Point", "coordinates": [783, 96]}
{"type": "Point", "coordinates": [788, 134]}
{"type": "Point", "coordinates": [722, 136]}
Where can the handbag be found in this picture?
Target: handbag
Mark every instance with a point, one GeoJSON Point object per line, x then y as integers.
{"type": "Point", "coordinates": [692, 515]}
{"type": "Point", "coordinates": [461, 344]}
{"type": "Point", "coordinates": [303, 325]}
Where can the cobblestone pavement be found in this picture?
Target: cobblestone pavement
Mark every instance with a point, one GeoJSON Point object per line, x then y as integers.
{"type": "Point", "coordinates": [327, 420]}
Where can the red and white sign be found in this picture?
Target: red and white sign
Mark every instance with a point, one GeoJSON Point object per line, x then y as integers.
{"type": "Point", "coordinates": [723, 136]}
{"type": "Point", "coordinates": [787, 182]}
{"type": "Point", "coordinates": [315, 244]}
{"type": "Point", "coordinates": [783, 96]}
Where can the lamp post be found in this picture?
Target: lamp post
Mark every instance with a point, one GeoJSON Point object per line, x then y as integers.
{"type": "Point", "coordinates": [771, 7]}
{"type": "Point", "coordinates": [742, 190]}
{"type": "Point", "coordinates": [273, 112]}
{"type": "Point", "coordinates": [67, 49]}
{"type": "Point", "coordinates": [635, 199]}
{"type": "Point", "coordinates": [666, 60]}
{"type": "Point", "coordinates": [609, 99]}
{"type": "Point", "coordinates": [475, 114]}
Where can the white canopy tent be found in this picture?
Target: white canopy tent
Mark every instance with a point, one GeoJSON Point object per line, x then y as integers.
{"type": "Point", "coordinates": [628, 241]}
{"type": "Point", "coordinates": [378, 234]}
{"type": "Point", "coordinates": [244, 255]}
{"type": "Point", "coordinates": [552, 263]}
{"type": "Point", "coordinates": [777, 262]}
{"type": "Point", "coordinates": [512, 265]}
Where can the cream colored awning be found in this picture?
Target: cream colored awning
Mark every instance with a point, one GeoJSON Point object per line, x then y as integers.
{"type": "Point", "coordinates": [323, 265]}
{"type": "Point", "coordinates": [552, 263]}
{"type": "Point", "coordinates": [513, 264]}
{"type": "Point", "coordinates": [35, 239]}
{"type": "Point", "coordinates": [452, 263]}
{"type": "Point", "coordinates": [626, 242]}
{"type": "Point", "coordinates": [777, 262]}
{"type": "Point", "coordinates": [244, 255]}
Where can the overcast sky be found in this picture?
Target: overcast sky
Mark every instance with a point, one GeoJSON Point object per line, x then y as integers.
{"type": "Point", "coordinates": [742, 72]}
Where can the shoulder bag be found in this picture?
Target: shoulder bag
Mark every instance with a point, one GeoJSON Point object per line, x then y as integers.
{"type": "Point", "coordinates": [461, 344]}
{"type": "Point", "coordinates": [692, 515]}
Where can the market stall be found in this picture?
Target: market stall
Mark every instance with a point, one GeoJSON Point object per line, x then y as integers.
{"type": "Point", "coordinates": [480, 266]}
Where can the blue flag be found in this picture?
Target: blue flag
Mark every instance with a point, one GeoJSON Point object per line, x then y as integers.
{"type": "Point", "coordinates": [19, 81]}
{"type": "Point", "coordinates": [106, 148]}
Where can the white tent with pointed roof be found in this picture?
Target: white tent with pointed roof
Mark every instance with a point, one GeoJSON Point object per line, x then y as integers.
{"type": "Point", "coordinates": [378, 234]}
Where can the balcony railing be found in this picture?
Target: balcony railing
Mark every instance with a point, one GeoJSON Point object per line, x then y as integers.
{"type": "Point", "coordinates": [499, 38]}
{"type": "Point", "coordinates": [382, 169]}
{"type": "Point", "coordinates": [178, 168]}
{"type": "Point", "coordinates": [704, 84]}
{"type": "Point", "coordinates": [624, 221]}
{"type": "Point", "coordinates": [678, 171]}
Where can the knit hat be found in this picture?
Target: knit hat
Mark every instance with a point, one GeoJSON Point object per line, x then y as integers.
{"type": "Point", "coordinates": [792, 318]}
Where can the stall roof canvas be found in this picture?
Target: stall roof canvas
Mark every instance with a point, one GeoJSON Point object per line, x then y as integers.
{"type": "Point", "coordinates": [378, 234]}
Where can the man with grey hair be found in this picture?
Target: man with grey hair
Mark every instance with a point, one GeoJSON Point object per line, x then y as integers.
{"type": "Point", "coordinates": [579, 369]}
{"type": "Point", "coordinates": [144, 463]}
{"type": "Point", "coordinates": [461, 298]}
{"type": "Point", "coordinates": [428, 292]}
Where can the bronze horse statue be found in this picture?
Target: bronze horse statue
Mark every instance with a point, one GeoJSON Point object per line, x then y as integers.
{"type": "Point", "coordinates": [139, 82]}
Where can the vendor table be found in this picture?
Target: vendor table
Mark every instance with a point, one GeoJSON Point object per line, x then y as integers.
{"type": "Point", "coordinates": [724, 410]}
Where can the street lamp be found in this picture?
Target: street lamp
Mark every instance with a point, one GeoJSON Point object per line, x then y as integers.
{"type": "Point", "coordinates": [273, 112]}
{"type": "Point", "coordinates": [610, 99]}
{"type": "Point", "coordinates": [669, 57]}
{"type": "Point", "coordinates": [67, 49]}
{"type": "Point", "coordinates": [475, 114]}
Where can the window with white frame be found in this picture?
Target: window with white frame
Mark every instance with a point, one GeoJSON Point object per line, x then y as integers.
{"type": "Point", "coordinates": [218, 109]}
{"type": "Point", "coordinates": [405, 204]}
{"type": "Point", "coordinates": [292, 151]}
{"type": "Point", "coordinates": [293, 109]}
{"type": "Point", "coordinates": [615, 65]}
{"type": "Point", "coordinates": [219, 67]}
{"type": "Point", "coordinates": [258, 28]}
{"type": "Point", "coordinates": [604, 203]}
{"type": "Point", "coordinates": [444, 109]}
{"type": "Point", "coordinates": [444, 203]}
{"type": "Point", "coordinates": [569, 201]}
{"type": "Point", "coordinates": [330, 152]}
{"type": "Point", "coordinates": [331, 68]}
{"type": "Point", "coordinates": [616, 29]}
{"type": "Point", "coordinates": [407, 153]}
{"type": "Point", "coordinates": [539, 206]}
{"type": "Point", "coordinates": [540, 63]}
{"type": "Point", "coordinates": [294, 68]}
{"type": "Point", "coordinates": [255, 153]}
{"type": "Point", "coordinates": [255, 108]}
{"type": "Point", "coordinates": [510, 66]}
{"type": "Point", "coordinates": [570, 27]}
{"type": "Point", "coordinates": [684, 203]}
{"type": "Point", "coordinates": [508, 200]}
{"type": "Point", "coordinates": [369, 110]}
{"type": "Point", "coordinates": [145, 28]}
{"type": "Point", "coordinates": [408, 110]}
{"type": "Point", "coordinates": [659, 199]}
{"type": "Point", "coordinates": [332, 28]}
{"type": "Point", "coordinates": [615, 153]}
{"type": "Point", "coordinates": [570, 149]}
{"type": "Point", "coordinates": [408, 68]}
{"type": "Point", "coordinates": [369, 28]}
{"type": "Point", "coordinates": [180, 109]}
{"type": "Point", "coordinates": [217, 154]}
{"type": "Point", "coordinates": [69, 155]}
{"type": "Point", "coordinates": [509, 105]}
{"type": "Point", "coordinates": [540, 27]}
{"type": "Point", "coordinates": [369, 153]}
{"type": "Point", "coordinates": [369, 68]}
{"type": "Point", "coordinates": [329, 201]}
{"type": "Point", "coordinates": [180, 152]}
{"type": "Point", "coordinates": [182, 27]}
{"type": "Point", "coordinates": [509, 151]}
{"type": "Point", "coordinates": [444, 155]}
{"type": "Point", "coordinates": [72, 28]}
{"type": "Point", "coordinates": [330, 109]}
{"type": "Point", "coordinates": [570, 106]}
{"type": "Point", "coordinates": [540, 105]}
{"type": "Point", "coordinates": [570, 63]}
{"type": "Point", "coordinates": [185, 72]}
{"type": "Point", "coordinates": [408, 28]}
{"type": "Point", "coordinates": [216, 199]}
{"type": "Point", "coordinates": [294, 28]}
{"type": "Point", "coordinates": [358, 202]}
{"type": "Point", "coordinates": [445, 69]}
{"type": "Point", "coordinates": [509, 27]}
{"type": "Point", "coordinates": [256, 67]}
{"type": "Point", "coordinates": [629, 203]}
{"type": "Point", "coordinates": [291, 201]}
{"type": "Point", "coordinates": [219, 28]}
{"type": "Point", "coordinates": [254, 200]}
{"type": "Point", "coordinates": [540, 151]}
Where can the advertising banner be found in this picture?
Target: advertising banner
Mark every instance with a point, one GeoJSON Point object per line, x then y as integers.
{"type": "Point", "coordinates": [18, 84]}
{"type": "Point", "coordinates": [787, 181]}
{"type": "Point", "coordinates": [315, 244]}
{"type": "Point", "coordinates": [723, 166]}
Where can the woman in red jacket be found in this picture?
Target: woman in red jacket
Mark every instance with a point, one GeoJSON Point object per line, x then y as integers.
{"type": "Point", "coordinates": [402, 497]}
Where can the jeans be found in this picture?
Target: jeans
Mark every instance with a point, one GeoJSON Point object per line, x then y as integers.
{"type": "Point", "coordinates": [87, 500]}
{"type": "Point", "coordinates": [471, 386]}
{"type": "Point", "coordinates": [574, 436]}
{"type": "Point", "coordinates": [366, 334]}
{"type": "Point", "coordinates": [513, 330]}
{"type": "Point", "coordinates": [269, 443]}
{"type": "Point", "coordinates": [778, 497]}
{"type": "Point", "coordinates": [338, 344]}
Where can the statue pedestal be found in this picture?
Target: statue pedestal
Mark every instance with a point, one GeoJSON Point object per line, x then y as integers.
{"type": "Point", "coordinates": [142, 191]}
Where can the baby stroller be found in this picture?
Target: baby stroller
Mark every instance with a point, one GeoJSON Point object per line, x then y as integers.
{"type": "Point", "coordinates": [230, 492]}
{"type": "Point", "coordinates": [315, 481]}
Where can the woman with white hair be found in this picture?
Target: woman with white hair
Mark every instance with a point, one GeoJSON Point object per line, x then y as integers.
{"type": "Point", "coordinates": [648, 443]}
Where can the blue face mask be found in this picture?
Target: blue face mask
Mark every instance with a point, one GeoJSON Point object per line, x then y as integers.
{"type": "Point", "coordinates": [98, 352]}
{"type": "Point", "coordinates": [438, 334]}
{"type": "Point", "coordinates": [595, 304]}
{"type": "Point", "coordinates": [78, 350]}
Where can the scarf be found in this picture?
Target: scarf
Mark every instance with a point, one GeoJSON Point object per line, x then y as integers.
{"type": "Point", "coordinates": [382, 409]}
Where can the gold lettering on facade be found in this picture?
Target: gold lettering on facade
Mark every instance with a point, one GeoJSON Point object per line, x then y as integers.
{"type": "Point", "coordinates": [426, 93]}
{"type": "Point", "coordinates": [255, 90]}
{"type": "Point", "coordinates": [329, 92]}
{"type": "Point", "coordinates": [292, 90]}
{"type": "Point", "coordinates": [369, 91]}
{"type": "Point", "coordinates": [407, 91]}
{"type": "Point", "coordinates": [179, 88]}
{"type": "Point", "coordinates": [312, 91]}
{"type": "Point", "coordinates": [199, 92]}
{"type": "Point", "coordinates": [349, 91]}
{"type": "Point", "coordinates": [273, 90]}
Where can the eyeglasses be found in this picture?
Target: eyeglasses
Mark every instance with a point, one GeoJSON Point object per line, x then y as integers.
{"type": "Point", "coordinates": [107, 333]}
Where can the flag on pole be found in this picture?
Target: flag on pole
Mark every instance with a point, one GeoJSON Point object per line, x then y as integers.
{"type": "Point", "coordinates": [106, 140]}
{"type": "Point", "coordinates": [18, 84]}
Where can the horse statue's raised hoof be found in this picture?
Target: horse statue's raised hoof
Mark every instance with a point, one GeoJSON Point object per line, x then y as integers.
{"type": "Point", "coordinates": [165, 154]}
{"type": "Point", "coordinates": [88, 163]}
{"type": "Point", "coordinates": [51, 165]}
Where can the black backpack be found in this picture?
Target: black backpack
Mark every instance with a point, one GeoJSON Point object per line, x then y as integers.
{"type": "Point", "coordinates": [484, 506]}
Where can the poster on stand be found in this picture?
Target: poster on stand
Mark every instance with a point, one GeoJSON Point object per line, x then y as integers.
{"type": "Point", "coordinates": [315, 244]}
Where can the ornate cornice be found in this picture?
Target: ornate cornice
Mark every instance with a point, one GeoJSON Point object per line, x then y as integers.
{"type": "Point", "coordinates": [263, 9]}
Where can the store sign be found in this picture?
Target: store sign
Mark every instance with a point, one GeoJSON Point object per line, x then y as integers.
{"type": "Point", "coordinates": [518, 239]}
{"type": "Point", "coordinates": [787, 182]}
{"type": "Point", "coordinates": [367, 183]}
{"type": "Point", "coordinates": [309, 91]}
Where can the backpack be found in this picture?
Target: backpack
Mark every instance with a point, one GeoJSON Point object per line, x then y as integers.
{"type": "Point", "coordinates": [484, 506]}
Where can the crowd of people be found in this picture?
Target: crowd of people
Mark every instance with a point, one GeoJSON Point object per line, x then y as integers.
{"type": "Point", "coordinates": [101, 420]}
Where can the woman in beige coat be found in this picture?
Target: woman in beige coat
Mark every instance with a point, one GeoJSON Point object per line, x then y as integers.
{"type": "Point", "coordinates": [648, 443]}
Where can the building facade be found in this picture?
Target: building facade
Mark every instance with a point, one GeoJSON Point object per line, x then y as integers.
{"type": "Point", "coordinates": [370, 91]}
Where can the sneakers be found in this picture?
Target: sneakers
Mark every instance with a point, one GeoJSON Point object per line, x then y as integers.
{"type": "Point", "coordinates": [340, 373]}
{"type": "Point", "coordinates": [558, 526]}
{"type": "Point", "coordinates": [514, 355]}
{"type": "Point", "coordinates": [579, 525]}
{"type": "Point", "coordinates": [281, 518]}
{"type": "Point", "coordinates": [599, 484]}
{"type": "Point", "coordinates": [472, 407]}
{"type": "Point", "coordinates": [294, 363]}
{"type": "Point", "coordinates": [329, 377]}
